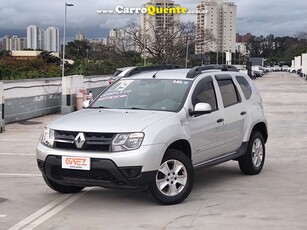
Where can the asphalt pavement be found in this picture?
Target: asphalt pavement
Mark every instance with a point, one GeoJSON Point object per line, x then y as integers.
{"type": "Point", "coordinates": [222, 198]}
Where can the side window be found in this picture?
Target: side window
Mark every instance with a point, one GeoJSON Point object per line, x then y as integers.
{"type": "Point", "coordinates": [205, 93]}
{"type": "Point", "coordinates": [229, 92]}
{"type": "Point", "coordinates": [245, 86]}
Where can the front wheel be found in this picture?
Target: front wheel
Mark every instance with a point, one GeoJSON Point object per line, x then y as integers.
{"type": "Point", "coordinates": [61, 188]}
{"type": "Point", "coordinates": [252, 162]}
{"type": "Point", "coordinates": [174, 179]}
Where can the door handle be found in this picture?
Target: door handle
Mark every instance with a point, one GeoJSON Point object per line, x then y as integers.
{"type": "Point", "coordinates": [243, 113]}
{"type": "Point", "coordinates": [220, 120]}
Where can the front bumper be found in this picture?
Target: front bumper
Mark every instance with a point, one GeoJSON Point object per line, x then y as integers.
{"type": "Point", "coordinates": [149, 156]}
{"type": "Point", "coordinates": [103, 172]}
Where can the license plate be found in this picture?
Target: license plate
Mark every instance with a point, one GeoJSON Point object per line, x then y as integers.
{"type": "Point", "coordinates": [80, 163]}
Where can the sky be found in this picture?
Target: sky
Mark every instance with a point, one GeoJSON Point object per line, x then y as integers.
{"type": "Point", "coordinates": [259, 17]}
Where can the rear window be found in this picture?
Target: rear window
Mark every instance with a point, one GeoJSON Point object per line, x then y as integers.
{"type": "Point", "coordinates": [229, 92]}
{"type": "Point", "coordinates": [245, 86]}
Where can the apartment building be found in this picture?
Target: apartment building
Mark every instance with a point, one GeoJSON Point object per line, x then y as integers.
{"type": "Point", "coordinates": [122, 39]}
{"type": "Point", "coordinates": [43, 39]}
{"type": "Point", "coordinates": [6, 42]}
{"type": "Point", "coordinates": [32, 37]}
{"type": "Point", "coordinates": [13, 43]}
{"type": "Point", "coordinates": [80, 36]}
{"type": "Point", "coordinates": [160, 22]}
{"type": "Point", "coordinates": [241, 41]}
{"type": "Point", "coordinates": [52, 39]}
{"type": "Point", "coordinates": [217, 17]}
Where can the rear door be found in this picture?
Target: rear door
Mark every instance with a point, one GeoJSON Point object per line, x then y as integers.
{"type": "Point", "coordinates": [234, 113]}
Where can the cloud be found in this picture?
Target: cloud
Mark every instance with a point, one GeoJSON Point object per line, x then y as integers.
{"type": "Point", "coordinates": [257, 17]}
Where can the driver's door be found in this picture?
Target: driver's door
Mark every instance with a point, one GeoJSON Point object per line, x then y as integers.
{"type": "Point", "coordinates": [206, 130]}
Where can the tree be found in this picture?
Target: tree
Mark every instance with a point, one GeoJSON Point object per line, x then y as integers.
{"type": "Point", "coordinates": [5, 53]}
{"type": "Point", "coordinates": [49, 58]}
{"type": "Point", "coordinates": [255, 46]}
{"type": "Point", "coordinates": [78, 49]}
{"type": "Point", "coordinates": [163, 45]}
{"type": "Point", "coordinates": [301, 36]}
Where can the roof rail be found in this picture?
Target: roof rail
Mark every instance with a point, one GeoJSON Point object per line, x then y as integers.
{"type": "Point", "coordinates": [137, 70]}
{"type": "Point", "coordinates": [199, 69]}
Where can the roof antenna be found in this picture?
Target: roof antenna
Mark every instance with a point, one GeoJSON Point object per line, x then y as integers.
{"type": "Point", "coordinates": [154, 76]}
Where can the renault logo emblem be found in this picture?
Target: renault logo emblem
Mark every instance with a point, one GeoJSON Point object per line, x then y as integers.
{"type": "Point", "coordinates": [80, 140]}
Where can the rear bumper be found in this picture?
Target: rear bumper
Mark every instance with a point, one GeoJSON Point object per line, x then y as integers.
{"type": "Point", "coordinates": [103, 172]}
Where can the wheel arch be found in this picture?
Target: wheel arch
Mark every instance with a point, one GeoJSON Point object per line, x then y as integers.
{"type": "Point", "coordinates": [182, 146]}
{"type": "Point", "coordinates": [262, 128]}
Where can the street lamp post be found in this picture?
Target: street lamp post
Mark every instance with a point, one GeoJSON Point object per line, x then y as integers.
{"type": "Point", "coordinates": [187, 54]}
{"type": "Point", "coordinates": [64, 37]}
{"type": "Point", "coordinates": [145, 45]}
{"type": "Point", "coordinates": [144, 51]}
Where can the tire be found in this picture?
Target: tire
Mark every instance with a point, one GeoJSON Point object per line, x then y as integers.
{"type": "Point", "coordinates": [252, 162]}
{"type": "Point", "coordinates": [61, 188]}
{"type": "Point", "coordinates": [176, 176]}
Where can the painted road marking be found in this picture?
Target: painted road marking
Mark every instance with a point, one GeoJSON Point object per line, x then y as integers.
{"type": "Point", "coordinates": [20, 175]}
{"type": "Point", "coordinates": [54, 211]}
{"type": "Point", "coordinates": [17, 154]}
{"type": "Point", "coordinates": [19, 140]}
{"type": "Point", "coordinates": [40, 212]}
{"type": "Point", "coordinates": [47, 212]}
{"type": "Point", "coordinates": [2, 216]}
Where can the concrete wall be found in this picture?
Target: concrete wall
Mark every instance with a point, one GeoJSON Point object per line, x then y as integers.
{"type": "Point", "coordinates": [96, 84]}
{"type": "Point", "coordinates": [31, 98]}
{"type": "Point", "coordinates": [1, 108]}
{"type": "Point", "coordinates": [25, 99]}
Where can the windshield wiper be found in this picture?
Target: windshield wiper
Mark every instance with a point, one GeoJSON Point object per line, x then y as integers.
{"type": "Point", "coordinates": [98, 107]}
{"type": "Point", "coordinates": [136, 108]}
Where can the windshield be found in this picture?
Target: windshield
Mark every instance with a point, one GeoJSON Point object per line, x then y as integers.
{"type": "Point", "coordinates": [118, 72]}
{"type": "Point", "coordinates": [147, 94]}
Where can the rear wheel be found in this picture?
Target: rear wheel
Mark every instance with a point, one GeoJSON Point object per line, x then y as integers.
{"type": "Point", "coordinates": [174, 179]}
{"type": "Point", "coordinates": [61, 188]}
{"type": "Point", "coordinates": [252, 162]}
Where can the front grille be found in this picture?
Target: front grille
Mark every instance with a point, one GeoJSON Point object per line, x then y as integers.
{"type": "Point", "coordinates": [93, 141]}
{"type": "Point", "coordinates": [93, 174]}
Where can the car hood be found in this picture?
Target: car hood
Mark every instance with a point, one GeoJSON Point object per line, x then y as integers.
{"type": "Point", "coordinates": [108, 120]}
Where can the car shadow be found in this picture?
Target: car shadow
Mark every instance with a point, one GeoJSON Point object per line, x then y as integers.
{"type": "Point", "coordinates": [213, 178]}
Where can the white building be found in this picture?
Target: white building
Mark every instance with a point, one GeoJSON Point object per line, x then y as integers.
{"type": "Point", "coordinates": [112, 38]}
{"type": "Point", "coordinates": [14, 43]}
{"type": "Point", "coordinates": [151, 24]}
{"type": "Point", "coordinates": [122, 39]}
{"type": "Point", "coordinates": [6, 40]}
{"type": "Point", "coordinates": [80, 36]}
{"type": "Point", "coordinates": [32, 37]}
{"type": "Point", "coordinates": [241, 48]}
{"type": "Point", "coordinates": [99, 41]}
{"type": "Point", "coordinates": [41, 39]}
{"type": "Point", "coordinates": [52, 39]}
{"type": "Point", "coordinates": [219, 17]}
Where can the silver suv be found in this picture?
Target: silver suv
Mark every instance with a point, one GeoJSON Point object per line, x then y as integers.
{"type": "Point", "coordinates": [150, 130]}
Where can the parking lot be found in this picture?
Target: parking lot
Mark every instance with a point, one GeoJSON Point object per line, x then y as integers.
{"type": "Point", "coordinates": [222, 197]}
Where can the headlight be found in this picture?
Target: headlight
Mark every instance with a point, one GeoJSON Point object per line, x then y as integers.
{"type": "Point", "coordinates": [47, 137]}
{"type": "Point", "coordinates": [127, 141]}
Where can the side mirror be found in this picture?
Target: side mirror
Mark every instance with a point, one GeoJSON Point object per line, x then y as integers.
{"type": "Point", "coordinates": [86, 104]}
{"type": "Point", "coordinates": [200, 109]}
